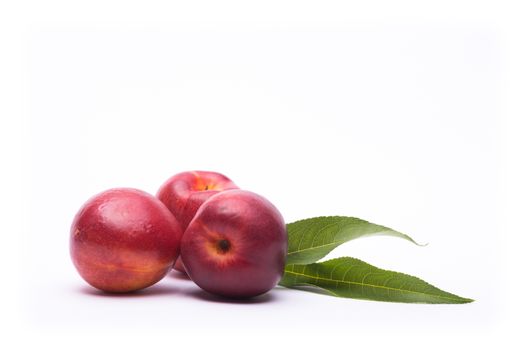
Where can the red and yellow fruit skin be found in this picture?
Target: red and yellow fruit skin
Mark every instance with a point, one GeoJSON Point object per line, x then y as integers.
{"type": "Point", "coordinates": [123, 240]}
{"type": "Point", "coordinates": [185, 192]}
{"type": "Point", "coordinates": [236, 245]}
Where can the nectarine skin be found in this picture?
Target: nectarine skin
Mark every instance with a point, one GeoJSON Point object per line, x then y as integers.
{"type": "Point", "coordinates": [236, 245]}
{"type": "Point", "coordinates": [124, 240]}
{"type": "Point", "coordinates": [185, 192]}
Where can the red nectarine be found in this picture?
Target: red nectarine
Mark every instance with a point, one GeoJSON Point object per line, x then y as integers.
{"type": "Point", "coordinates": [123, 240]}
{"type": "Point", "coordinates": [236, 245]}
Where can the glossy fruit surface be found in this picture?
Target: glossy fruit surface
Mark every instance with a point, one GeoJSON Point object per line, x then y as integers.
{"type": "Point", "coordinates": [236, 245]}
{"type": "Point", "coordinates": [124, 240]}
{"type": "Point", "coordinates": [185, 192]}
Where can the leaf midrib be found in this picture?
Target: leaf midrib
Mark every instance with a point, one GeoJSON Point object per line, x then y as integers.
{"type": "Point", "coordinates": [377, 286]}
{"type": "Point", "coordinates": [315, 247]}
{"type": "Point", "coordinates": [337, 242]}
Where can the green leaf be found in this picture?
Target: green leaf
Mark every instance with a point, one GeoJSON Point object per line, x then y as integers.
{"type": "Point", "coordinates": [311, 239]}
{"type": "Point", "coordinates": [352, 278]}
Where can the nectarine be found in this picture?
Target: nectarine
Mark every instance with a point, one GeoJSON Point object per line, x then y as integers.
{"type": "Point", "coordinates": [236, 245]}
{"type": "Point", "coordinates": [123, 240]}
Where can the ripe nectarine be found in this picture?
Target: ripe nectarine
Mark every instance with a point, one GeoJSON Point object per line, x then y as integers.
{"type": "Point", "coordinates": [123, 240]}
{"type": "Point", "coordinates": [236, 245]}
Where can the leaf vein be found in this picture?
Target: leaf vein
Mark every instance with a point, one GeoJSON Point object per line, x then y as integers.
{"type": "Point", "coordinates": [377, 286]}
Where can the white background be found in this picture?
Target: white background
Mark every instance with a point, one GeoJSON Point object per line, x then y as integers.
{"type": "Point", "coordinates": [401, 115]}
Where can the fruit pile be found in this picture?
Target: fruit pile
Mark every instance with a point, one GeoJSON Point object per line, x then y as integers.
{"type": "Point", "coordinates": [229, 241]}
